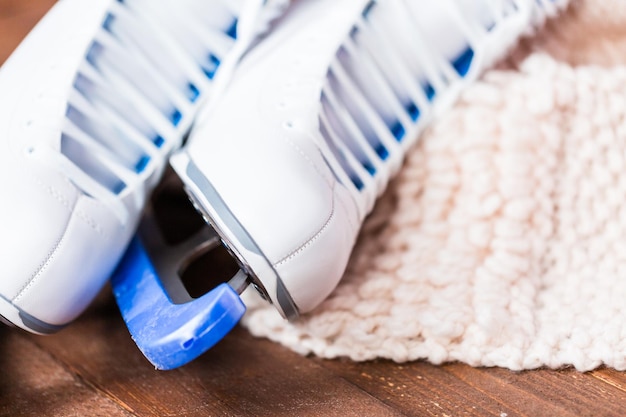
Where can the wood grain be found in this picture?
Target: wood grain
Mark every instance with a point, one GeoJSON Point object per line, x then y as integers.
{"type": "Point", "coordinates": [35, 383]}
{"type": "Point", "coordinates": [241, 376]}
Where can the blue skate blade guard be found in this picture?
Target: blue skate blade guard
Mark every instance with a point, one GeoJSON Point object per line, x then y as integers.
{"type": "Point", "coordinates": [170, 335]}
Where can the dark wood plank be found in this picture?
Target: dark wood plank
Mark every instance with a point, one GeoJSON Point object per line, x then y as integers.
{"type": "Point", "coordinates": [241, 376]}
{"type": "Point", "coordinates": [503, 387]}
{"type": "Point", "coordinates": [423, 389]}
{"type": "Point", "coordinates": [539, 392]}
{"type": "Point", "coordinates": [33, 383]}
{"type": "Point", "coordinates": [570, 390]}
{"type": "Point", "coordinates": [420, 389]}
{"type": "Point", "coordinates": [273, 381]}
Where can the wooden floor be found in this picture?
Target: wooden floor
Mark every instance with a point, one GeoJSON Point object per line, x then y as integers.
{"type": "Point", "coordinates": [93, 369]}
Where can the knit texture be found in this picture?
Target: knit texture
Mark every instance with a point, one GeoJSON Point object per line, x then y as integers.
{"type": "Point", "coordinates": [502, 242]}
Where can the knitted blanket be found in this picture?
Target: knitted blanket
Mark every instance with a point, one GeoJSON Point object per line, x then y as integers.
{"type": "Point", "coordinates": [502, 242]}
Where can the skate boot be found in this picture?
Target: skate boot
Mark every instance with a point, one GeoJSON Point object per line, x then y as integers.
{"type": "Point", "coordinates": [93, 102]}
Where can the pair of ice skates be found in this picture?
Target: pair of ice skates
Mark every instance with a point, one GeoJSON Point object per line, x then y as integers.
{"type": "Point", "coordinates": [283, 122]}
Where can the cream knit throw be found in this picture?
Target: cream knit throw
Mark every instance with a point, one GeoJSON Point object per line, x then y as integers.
{"type": "Point", "coordinates": [502, 242]}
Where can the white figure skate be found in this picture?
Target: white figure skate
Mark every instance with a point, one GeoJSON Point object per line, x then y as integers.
{"type": "Point", "coordinates": [289, 160]}
{"type": "Point", "coordinates": [93, 101]}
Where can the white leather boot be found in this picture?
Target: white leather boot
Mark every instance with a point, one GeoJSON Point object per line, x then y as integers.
{"type": "Point", "coordinates": [286, 163]}
{"type": "Point", "coordinates": [93, 101]}
{"type": "Point", "coordinates": [318, 118]}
